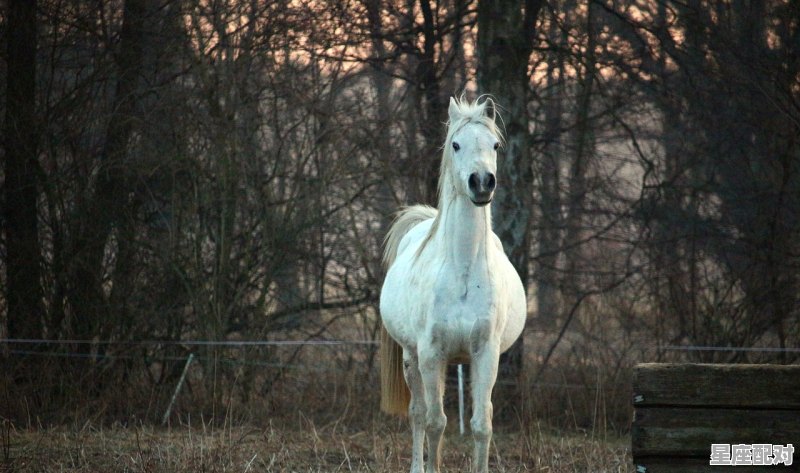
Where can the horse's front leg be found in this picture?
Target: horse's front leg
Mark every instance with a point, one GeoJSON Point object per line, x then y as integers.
{"type": "Point", "coordinates": [416, 409]}
{"type": "Point", "coordinates": [483, 372]}
{"type": "Point", "coordinates": [431, 367]}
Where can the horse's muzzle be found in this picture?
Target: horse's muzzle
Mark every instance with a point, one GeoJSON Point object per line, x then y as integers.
{"type": "Point", "coordinates": [482, 188]}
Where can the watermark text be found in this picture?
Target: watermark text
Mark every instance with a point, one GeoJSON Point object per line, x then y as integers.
{"type": "Point", "coordinates": [727, 454]}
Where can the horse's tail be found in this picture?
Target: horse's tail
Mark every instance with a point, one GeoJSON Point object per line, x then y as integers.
{"type": "Point", "coordinates": [406, 219]}
{"type": "Point", "coordinates": [395, 395]}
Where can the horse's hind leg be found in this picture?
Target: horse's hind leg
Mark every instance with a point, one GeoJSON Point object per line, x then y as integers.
{"type": "Point", "coordinates": [431, 370]}
{"type": "Point", "coordinates": [483, 375]}
{"type": "Point", "coordinates": [416, 409]}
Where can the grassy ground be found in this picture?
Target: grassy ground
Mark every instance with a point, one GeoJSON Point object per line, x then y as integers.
{"type": "Point", "coordinates": [297, 446]}
{"type": "Point", "coordinates": [324, 419]}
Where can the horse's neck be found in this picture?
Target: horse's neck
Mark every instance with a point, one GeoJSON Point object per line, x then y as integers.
{"type": "Point", "coordinates": [465, 231]}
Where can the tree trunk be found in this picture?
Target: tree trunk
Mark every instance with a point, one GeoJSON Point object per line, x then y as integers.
{"type": "Point", "coordinates": [24, 290]}
{"type": "Point", "coordinates": [506, 31]}
{"type": "Point", "coordinates": [434, 108]}
{"type": "Point", "coordinates": [108, 203]}
{"type": "Point", "coordinates": [584, 144]}
{"type": "Point", "coordinates": [550, 225]}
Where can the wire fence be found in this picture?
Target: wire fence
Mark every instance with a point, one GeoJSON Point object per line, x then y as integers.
{"type": "Point", "coordinates": [235, 344]}
{"type": "Point", "coordinates": [222, 343]}
{"type": "Point", "coordinates": [731, 349]}
{"type": "Point", "coordinates": [157, 351]}
{"type": "Point", "coordinates": [248, 361]}
{"type": "Point", "coordinates": [266, 343]}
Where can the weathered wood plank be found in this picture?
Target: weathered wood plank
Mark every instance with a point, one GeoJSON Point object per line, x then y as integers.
{"type": "Point", "coordinates": [698, 465]}
{"type": "Point", "coordinates": [689, 432]}
{"type": "Point", "coordinates": [716, 385]}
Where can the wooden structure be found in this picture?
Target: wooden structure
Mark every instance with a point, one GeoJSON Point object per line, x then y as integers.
{"type": "Point", "coordinates": [680, 410]}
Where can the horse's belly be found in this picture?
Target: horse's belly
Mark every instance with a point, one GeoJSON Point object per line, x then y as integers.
{"type": "Point", "coordinates": [397, 314]}
{"type": "Point", "coordinates": [403, 301]}
{"type": "Point", "coordinates": [517, 312]}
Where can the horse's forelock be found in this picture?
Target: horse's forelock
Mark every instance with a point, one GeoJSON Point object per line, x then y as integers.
{"type": "Point", "coordinates": [471, 112]}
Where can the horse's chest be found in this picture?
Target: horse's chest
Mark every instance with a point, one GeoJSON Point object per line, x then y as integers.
{"type": "Point", "coordinates": [474, 299]}
{"type": "Point", "coordinates": [458, 306]}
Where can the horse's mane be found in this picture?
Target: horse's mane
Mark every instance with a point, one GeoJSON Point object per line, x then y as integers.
{"type": "Point", "coordinates": [467, 112]}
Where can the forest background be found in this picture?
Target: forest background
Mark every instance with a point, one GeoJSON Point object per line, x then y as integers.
{"type": "Point", "coordinates": [226, 170]}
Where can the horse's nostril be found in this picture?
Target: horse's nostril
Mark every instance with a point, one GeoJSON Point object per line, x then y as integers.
{"type": "Point", "coordinates": [491, 182]}
{"type": "Point", "coordinates": [473, 181]}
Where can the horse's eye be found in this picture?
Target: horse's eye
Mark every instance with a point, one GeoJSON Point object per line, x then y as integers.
{"type": "Point", "coordinates": [496, 145]}
{"type": "Point", "coordinates": [456, 146]}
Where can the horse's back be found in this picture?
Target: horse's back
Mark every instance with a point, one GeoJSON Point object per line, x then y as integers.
{"type": "Point", "coordinates": [410, 243]}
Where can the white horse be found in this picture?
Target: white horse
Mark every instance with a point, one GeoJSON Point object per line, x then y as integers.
{"type": "Point", "coordinates": [450, 293]}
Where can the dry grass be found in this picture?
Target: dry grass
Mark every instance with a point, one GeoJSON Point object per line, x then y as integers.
{"type": "Point", "coordinates": [573, 420]}
{"type": "Point", "coordinates": [297, 446]}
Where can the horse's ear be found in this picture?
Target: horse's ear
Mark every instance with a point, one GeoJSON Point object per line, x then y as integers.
{"type": "Point", "coordinates": [452, 110]}
{"type": "Point", "coordinates": [489, 108]}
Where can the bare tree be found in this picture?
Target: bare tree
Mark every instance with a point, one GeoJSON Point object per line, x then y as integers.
{"type": "Point", "coordinates": [23, 277]}
{"type": "Point", "coordinates": [505, 44]}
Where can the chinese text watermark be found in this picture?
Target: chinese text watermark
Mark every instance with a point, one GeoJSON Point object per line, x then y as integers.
{"type": "Point", "coordinates": [751, 454]}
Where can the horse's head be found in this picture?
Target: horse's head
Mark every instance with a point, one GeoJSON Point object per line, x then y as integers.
{"type": "Point", "coordinates": [472, 142]}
